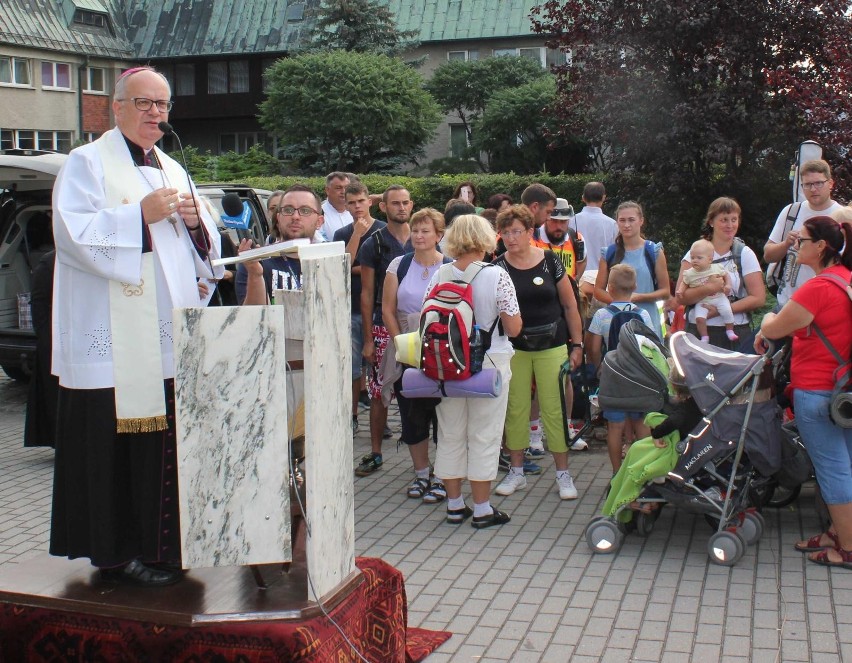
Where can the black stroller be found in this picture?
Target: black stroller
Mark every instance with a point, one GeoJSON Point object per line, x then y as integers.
{"type": "Point", "coordinates": [723, 463]}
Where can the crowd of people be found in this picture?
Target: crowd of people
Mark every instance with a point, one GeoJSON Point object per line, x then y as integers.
{"type": "Point", "coordinates": [133, 241]}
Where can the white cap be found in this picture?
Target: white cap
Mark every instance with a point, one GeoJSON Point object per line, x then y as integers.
{"type": "Point", "coordinates": [562, 210]}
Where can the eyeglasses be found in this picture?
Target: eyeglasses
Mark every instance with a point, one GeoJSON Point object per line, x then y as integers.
{"type": "Point", "coordinates": [799, 240]}
{"type": "Point", "coordinates": [289, 210]}
{"type": "Point", "coordinates": [143, 104]}
{"type": "Point", "coordinates": [814, 186]}
{"type": "Point", "coordinates": [513, 234]}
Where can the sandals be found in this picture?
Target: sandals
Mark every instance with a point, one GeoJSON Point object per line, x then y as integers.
{"type": "Point", "coordinates": [821, 558]}
{"type": "Point", "coordinates": [813, 544]}
{"type": "Point", "coordinates": [419, 488]}
{"type": "Point", "coordinates": [436, 493]}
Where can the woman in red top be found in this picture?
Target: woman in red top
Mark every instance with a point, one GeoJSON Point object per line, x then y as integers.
{"type": "Point", "coordinates": [826, 247]}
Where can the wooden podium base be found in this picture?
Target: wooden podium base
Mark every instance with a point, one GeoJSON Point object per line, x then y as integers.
{"type": "Point", "coordinates": [52, 609]}
{"type": "Point", "coordinates": [204, 596]}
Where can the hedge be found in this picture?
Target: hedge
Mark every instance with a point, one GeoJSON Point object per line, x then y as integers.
{"type": "Point", "coordinates": [669, 219]}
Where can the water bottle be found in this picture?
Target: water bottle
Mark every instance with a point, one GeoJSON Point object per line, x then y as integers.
{"type": "Point", "coordinates": [477, 350]}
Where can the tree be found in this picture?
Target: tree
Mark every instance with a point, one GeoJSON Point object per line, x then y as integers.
{"type": "Point", "coordinates": [464, 87]}
{"type": "Point", "coordinates": [348, 111]}
{"type": "Point", "coordinates": [515, 131]}
{"type": "Point", "coordinates": [361, 26]}
{"type": "Point", "coordinates": [700, 95]}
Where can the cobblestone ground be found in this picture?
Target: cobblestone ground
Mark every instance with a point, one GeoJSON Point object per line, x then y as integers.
{"type": "Point", "coordinates": [532, 590]}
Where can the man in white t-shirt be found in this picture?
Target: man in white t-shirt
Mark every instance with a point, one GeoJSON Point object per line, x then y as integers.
{"type": "Point", "coordinates": [597, 229]}
{"type": "Point", "coordinates": [334, 207]}
{"type": "Point", "coordinates": [817, 185]}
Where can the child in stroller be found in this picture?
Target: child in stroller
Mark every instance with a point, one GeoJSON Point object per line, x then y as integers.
{"type": "Point", "coordinates": [734, 446]}
{"type": "Point", "coordinates": [653, 457]}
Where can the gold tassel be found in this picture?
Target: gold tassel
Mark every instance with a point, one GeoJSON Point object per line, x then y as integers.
{"type": "Point", "coordinates": [142, 424]}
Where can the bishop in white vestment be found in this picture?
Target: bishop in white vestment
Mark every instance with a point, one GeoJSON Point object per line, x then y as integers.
{"type": "Point", "coordinates": [132, 244]}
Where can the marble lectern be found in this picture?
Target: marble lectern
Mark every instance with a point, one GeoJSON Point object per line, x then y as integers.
{"type": "Point", "coordinates": [248, 380]}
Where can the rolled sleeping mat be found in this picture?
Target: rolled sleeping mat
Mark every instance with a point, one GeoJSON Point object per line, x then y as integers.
{"type": "Point", "coordinates": [841, 409]}
{"type": "Point", "coordinates": [485, 384]}
{"type": "Point", "coordinates": [408, 348]}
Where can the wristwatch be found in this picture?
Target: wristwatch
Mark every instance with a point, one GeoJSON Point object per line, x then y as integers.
{"type": "Point", "coordinates": [577, 345]}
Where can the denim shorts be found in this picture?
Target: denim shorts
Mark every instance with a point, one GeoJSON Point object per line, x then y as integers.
{"type": "Point", "coordinates": [357, 346]}
{"type": "Point", "coordinates": [829, 446]}
{"type": "Point", "coordinates": [619, 417]}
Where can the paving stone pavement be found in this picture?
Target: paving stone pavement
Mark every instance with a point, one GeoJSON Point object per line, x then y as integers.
{"type": "Point", "coordinates": [531, 590]}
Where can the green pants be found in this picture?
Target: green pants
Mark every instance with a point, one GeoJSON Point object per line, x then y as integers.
{"type": "Point", "coordinates": [544, 365]}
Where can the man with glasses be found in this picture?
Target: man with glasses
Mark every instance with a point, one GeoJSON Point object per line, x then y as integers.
{"type": "Point", "coordinates": [132, 242]}
{"type": "Point", "coordinates": [298, 216]}
{"type": "Point", "coordinates": [782, 244]}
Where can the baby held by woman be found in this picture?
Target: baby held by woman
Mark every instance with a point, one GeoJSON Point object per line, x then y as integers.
{"type": "Point", "coordinates": [702, 271]}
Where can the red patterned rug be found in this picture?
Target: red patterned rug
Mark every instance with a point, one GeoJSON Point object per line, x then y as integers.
{"type": "Point", "coordinates": [373, 617]}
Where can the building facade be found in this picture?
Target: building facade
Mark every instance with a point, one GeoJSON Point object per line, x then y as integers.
{"type": "Point", "coordinates": [59, 60]}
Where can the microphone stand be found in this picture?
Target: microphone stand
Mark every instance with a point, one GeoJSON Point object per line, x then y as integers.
{"type": "Point", "coordinates": [168, 130]}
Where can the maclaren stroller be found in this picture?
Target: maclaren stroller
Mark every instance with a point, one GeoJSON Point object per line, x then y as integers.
{"type": "Point", "coordinates": [721, 465]}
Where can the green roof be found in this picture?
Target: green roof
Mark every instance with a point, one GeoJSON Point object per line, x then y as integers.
{"type": "Point", "coordinates": [160, 29]}
{"type": "Point", "coordinates": [449, 20]}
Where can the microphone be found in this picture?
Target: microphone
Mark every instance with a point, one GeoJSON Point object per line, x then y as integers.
{"type": "Point", "coordinates": [237, 214]}
{"type": "Point", "coordinates": [167, 129]}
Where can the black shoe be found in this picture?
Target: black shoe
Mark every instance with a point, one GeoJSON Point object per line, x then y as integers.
{"type": "Point", "coordinates": [492, 519]}
{"type": "Point", "coordinates": [174, 567]}
{"type": "Point", "coordinates": [458, 516]}
{"type": "Point", "coordinates": [136, 573]}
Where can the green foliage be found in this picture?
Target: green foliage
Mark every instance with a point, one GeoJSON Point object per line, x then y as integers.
{"type": "Point", "coordinates": [229, 167]}
{"type": "Point", "coordinates": [515, 131]}
{"type": "Point", "coordinates": [356, 112]}
{"type": "Point", "coordinates": [666, 220]}
{"type": "Point", "coordinates": [363, 26]}
{"type": "Point", "coordinates": [465, 87]}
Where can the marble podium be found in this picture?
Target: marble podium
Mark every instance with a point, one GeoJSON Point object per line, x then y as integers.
{"type": "Point", "coordinates": [248, 380]}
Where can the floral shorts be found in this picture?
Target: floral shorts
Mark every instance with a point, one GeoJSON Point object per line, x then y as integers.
{"type": "Point", "coordinates": [374, 377]}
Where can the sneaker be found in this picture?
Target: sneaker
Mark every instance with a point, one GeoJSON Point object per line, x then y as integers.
{"type": "Point", "coordinates": [505, 464]}
{"type": "Point", "coordinates": [510, 483]}
{"type": "Point", "coordinates": [534, 452]}
{"type": "Point", "coordinates": [579, 444]}
{"type": "Point", "coordinates": [531, 468]}
{"type": "Point", "coordinates": [458, 516]}
{"type": "Point", "coordinates": [364, 399]}
{"type": "Point", "coordinates": [536, 436]}
{"type": "Point", "coordinates": [369, 464]}
{"type": "Point", "coordinates": [387, 433]}
{"type": "Point", "coordinates": [567, 489]}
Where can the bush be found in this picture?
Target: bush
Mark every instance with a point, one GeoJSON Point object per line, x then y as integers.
{"type": "Point", "coordinates": [668, 218]}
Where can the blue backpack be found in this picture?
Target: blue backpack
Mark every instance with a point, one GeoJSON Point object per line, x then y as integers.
{"type": "Point", "coordinates": [620, 317]}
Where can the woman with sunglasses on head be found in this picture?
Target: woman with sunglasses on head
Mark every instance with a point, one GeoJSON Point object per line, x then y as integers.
{"type": "Point", "coordinates": [819, 315]}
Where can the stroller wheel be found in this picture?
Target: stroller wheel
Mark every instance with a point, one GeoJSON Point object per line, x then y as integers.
{"type": "Point", "coordinates": [752, 526]}
{"type": "Point", "coordinates": [603, 536]}
{"type": "Point", "coordinates": [782, 497]}
{"type": "Point", "coordinates": [645, 522]}
{"type": "Point", "coordinates": [726, 548]}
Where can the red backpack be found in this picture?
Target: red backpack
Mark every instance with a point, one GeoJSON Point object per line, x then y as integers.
{"type": "Point", "coordinates": [447, 327]}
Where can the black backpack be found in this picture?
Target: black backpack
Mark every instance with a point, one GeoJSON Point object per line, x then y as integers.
{"type": "Point", "coordinates": [620, 317]}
